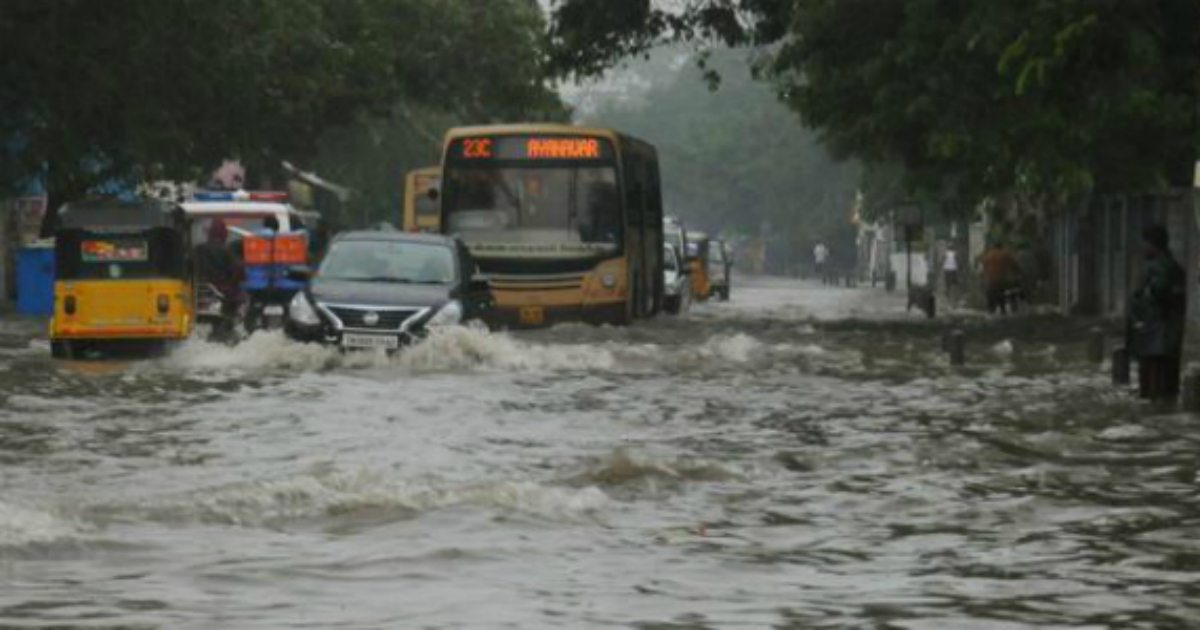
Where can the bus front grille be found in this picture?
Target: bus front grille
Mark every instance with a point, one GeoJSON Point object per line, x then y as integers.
{"type": "Point", "coordinates": [537, 282]}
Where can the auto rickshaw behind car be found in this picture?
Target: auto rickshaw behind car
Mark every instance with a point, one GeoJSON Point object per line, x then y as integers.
{"type": "Point", "coordinates": [719, 266]}
{"type": "Point", "coordinates": [268, 235]}
{"type": "Point", "coordinates": [123, 277]}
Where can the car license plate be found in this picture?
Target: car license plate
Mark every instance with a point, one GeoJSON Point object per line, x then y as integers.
{"type": "Point", "coordinates": [273, 310]}
{"type": "Point", "coordinates": [386, 342]}
{"type": "Point", "coordinates": [532, 315]}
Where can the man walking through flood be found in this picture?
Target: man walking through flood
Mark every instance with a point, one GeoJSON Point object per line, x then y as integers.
{"type": "Point", "coordinates": [1000, 274]}
{"type": "Point", "coordinates": [1156, 319]}
{"type": "Point", "coordinates": [950, 273]}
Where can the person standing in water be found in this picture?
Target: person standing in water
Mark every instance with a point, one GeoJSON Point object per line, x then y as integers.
{"type": "Point", "coordinates": [1156, 319]}
{"type": "Point", "coordinates": [1000, 274]}
{"type": "Point", "coordinates": [821, 258]}
{"type": "Point", "coordinates": [950, 273]}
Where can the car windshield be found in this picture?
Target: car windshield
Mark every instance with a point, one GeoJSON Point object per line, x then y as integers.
{"type": "Point", "coordinates": [567, 210]}
{"type": "Point", "coordinates": [389, 261]}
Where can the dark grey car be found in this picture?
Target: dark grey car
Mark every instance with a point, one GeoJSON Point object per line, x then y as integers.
{"type": "Point", "coordinates": [384, 289]}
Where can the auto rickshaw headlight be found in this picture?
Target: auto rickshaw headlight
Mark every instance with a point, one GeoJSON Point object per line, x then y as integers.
{"type": "Point", "coordinates": [608, 280]}
{"type": "Point", "coordinates": [69, 305]}
{"type": "Point", "coordinates": [164, 305]}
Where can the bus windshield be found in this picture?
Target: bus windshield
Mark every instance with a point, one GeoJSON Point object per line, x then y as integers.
{"type": "Point", "coordinates": [556, 211]}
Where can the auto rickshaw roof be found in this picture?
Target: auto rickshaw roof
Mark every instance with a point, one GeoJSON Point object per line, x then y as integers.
{"type": "Point", "coordinates": [144, 214]}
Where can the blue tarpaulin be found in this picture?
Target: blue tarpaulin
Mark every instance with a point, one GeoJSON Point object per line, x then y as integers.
{"type": "Point", "coordinates": [35, 280]}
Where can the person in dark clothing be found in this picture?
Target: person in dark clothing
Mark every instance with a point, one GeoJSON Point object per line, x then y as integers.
{"type": "Point", "coordinates": [1156, 319]}
{"type": "Point", "coordinates": [217, 266]}
{"type": "Point", "coordinates": [1000, 274]}
{"type": "Point", "coordinates": [260, 297]}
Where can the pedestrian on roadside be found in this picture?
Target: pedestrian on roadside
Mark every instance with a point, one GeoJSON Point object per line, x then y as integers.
{"type": "Point", "coordinates": [950, 272]}
{"type": "Point", "coordinates": [1000, 275]}
{"type": "Point", "coordinates": [1156, 319]}
{"type": "Point", "coordinates": [821, 258]}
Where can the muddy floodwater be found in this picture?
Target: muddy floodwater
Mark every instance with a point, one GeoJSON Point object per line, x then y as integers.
{"type": "Point", "coordinates": [801, 457]}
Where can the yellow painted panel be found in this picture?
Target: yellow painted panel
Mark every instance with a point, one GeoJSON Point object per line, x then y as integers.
{"type": "Point", "coordinates": [122, 308]}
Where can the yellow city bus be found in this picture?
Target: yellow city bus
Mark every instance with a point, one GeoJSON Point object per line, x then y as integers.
{"type": "Point", "coordinates": [566, 222]}
{"type": "Point", "coordinates": [421, 209]}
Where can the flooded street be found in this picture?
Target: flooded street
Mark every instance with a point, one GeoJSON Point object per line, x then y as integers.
{"type": "Point", "coordinates": [801, 457]}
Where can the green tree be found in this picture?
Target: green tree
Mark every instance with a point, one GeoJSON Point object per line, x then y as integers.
{"type": "Point", "coordinates": [735, 159]}
{"type": "Point", "coordinates": [971, 98]}
{"type": "Point", "coordinates": [145, 89]}
{"type": "Point", "coordinates": [458, 86]}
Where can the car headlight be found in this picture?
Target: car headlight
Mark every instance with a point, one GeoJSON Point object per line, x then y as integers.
{"type": "Point", "coordinates": [301, 311]}
{"type": "Point", "coordinates": [449, 315]}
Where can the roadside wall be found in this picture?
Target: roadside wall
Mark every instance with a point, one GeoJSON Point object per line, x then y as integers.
{"type": "Point", "coordinates": [1098, 250]}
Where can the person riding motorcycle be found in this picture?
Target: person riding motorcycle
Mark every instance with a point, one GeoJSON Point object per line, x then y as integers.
{"type": "Point", "coordinates": [267, 285]}
{"type": "Point", "coordinates": [217, 267]}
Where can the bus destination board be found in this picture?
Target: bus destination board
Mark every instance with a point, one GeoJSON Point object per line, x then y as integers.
{"type": "Point", "coordinates": [531, 148]}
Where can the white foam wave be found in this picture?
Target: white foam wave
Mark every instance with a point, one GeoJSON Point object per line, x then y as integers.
{"type": "Point", "coordinates": [262, 350]}
{"type": "Point", "coordinates": [623, 467]}
{"type": "Point", "coordinates": [466, 348]}
{"type": "Point", "coordinates": [21, 526]}
{"type": "Point", "coordinates": [811, 350]}
{"type": "Point", "coordinates": [333, 494]}
{"type": "Point", "coordinates": [1127, 433]}
{"type": "Point", "coordinates": [738, 348]}
{"type": "Point", "coordinates": [454, 348]}
{"type": "Point", "coordinates": [461, 347]}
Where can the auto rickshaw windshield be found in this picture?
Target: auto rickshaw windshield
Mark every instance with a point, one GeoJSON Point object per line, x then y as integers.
{"type": "Point", "coordinates": [87, 254]}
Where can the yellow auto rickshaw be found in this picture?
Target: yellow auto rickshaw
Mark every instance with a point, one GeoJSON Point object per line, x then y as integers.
{"type": "Point", "coordinates": [697, 244]}
{"type": "Point", "coordinates": [123, 277]}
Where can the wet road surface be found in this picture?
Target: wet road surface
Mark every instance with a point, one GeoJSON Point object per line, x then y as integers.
{"type": "Point", "coordinates": [802, 457]}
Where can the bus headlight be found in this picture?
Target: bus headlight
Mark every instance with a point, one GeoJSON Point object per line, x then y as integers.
{"type": "Point", "coordinates": [449, 315]}
{"type": "Point", "coordinates": [608, 280]}
{"type": "Point", "coordinates": [301, 311]}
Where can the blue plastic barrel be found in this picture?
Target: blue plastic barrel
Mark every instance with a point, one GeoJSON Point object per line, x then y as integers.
{"type": "Point", "coordinates": [35, 280]}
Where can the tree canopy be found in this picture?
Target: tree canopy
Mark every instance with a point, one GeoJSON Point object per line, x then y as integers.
{"type": "Point", "coordinates": [972, 98]}
{"type": "Point", "coordinates": [735, 160]}
{"type": "Point", "coordinates": [145, 89]}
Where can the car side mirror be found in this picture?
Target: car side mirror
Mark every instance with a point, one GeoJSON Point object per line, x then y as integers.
{"type": "Point", "coordinates": [299, 273]}
{"type": "Point", "coordinates": [479, 285]}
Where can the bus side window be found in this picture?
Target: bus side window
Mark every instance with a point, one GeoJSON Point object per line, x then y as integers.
{"type": "Point", "coordinates": [654, 214]}
{"type": "Point", "coordinates": [635, 176]}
